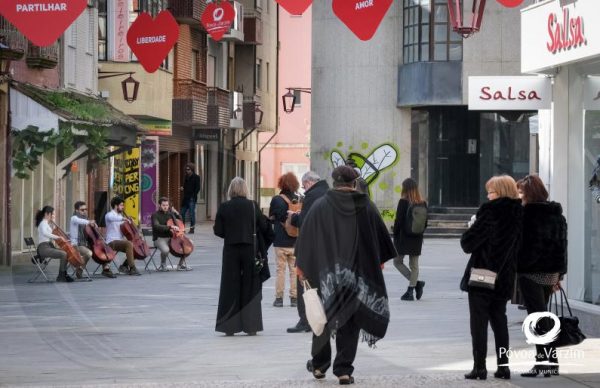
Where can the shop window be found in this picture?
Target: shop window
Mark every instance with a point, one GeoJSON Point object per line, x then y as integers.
{"type": "Point", "coordinates": [428, 35]}
{"type": "Point", "coordinates": [591, 155]}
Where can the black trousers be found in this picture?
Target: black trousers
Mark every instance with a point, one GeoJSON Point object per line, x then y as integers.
{"type": "Point", "coordinates": [301, 308]}
{"type": "Point", "coordinates": [536, 298]}
{"type": "Point", "coordinates": [484, 307]}
{"type": "Point", "coordinates": [346, 343]}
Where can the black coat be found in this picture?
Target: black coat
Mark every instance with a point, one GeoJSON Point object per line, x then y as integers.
{"type": "Point", "coordinates": [494, 241]}
{"type": "Point", "coordinates": [405, 244]}
{"type": "Point", "coordinates": [235, 221]}
{"type": "Point", "coordinates": [310, 196]}
{"type": "Point", "coordinates": [278, 214]}
{"type": "Point", "coordinates": [544, 246]}
{"type": "Point", "coordinates": [191, 188]}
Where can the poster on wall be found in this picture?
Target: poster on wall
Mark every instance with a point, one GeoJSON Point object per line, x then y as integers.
{"type": "Point", "coordinates": [295, 7]}
{"type": "Point", "coordinates": [127, 181]}
{"type": "Point", "coordinates": [149, 181]}
{"type": "Point", "coordinates": [151, 40]}
{"type": "Point", "coordinates": [42, 21]}
{"type": "Point", "coordinates": [362, 17]}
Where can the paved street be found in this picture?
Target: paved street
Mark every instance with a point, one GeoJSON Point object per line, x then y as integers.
{"type": "Point", "coordinates": [158, 330]}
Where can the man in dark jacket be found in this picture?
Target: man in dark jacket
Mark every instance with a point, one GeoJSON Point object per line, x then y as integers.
{"type": "Point", "coordinates": [314, 188]}
{"type": "Point", "coordinates": [190, 188]}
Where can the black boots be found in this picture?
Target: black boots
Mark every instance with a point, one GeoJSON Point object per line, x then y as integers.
{"type": "Point", "coordinates": [191, 231]}
{"type": "Point", "coordinates": [278, 302]}
{"type": "Point", "coordinates": [477, 374]}
{"type": "Point", "coordinates": [63, 277]}
{"type": "Point", "coordinates": [408, 295]}
{"type": "Point", "coordinates": [502, 373]}
{"type": "Point", "coordinates": [301, 327]}
{"type": "Point", "coordinates": [419, 289]}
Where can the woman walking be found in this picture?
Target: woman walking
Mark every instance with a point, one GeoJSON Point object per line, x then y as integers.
{"type": "Point", "coordinates": [237, 221]}
{"type": "Point", "coordinates": [411, 208]}
{"type": "Point", "coordinates": [493, 241]}
{"type": "Point", "coordinates": [542, 261]}
{"type": "Point", "coordinates": [43, 218]}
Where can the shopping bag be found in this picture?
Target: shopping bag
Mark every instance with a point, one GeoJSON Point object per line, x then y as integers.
{"type": "Point", "coordinates": [315, 312]}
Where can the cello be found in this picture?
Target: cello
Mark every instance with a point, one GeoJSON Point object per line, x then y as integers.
{"type": "Point", "coordinates": [132, 233]}
{"type": "Point", "coordinates": [73, 256]}
{"type": "Point", "coordinates": [102, 253]}
{"type": "Point", "coordinates": [179, 245]}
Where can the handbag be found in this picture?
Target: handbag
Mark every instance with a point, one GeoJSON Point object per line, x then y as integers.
{"type": "Point", "coordinates": [315, 312]}
{"type": "Point", "coordinates": [570, 334]}
{"type": "Point", "coordinates": [482, 278]}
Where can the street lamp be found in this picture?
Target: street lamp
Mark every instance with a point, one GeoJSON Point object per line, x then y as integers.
{"type": "Point", "coordinates": [455, 8]}
{"type": "Point", "coordinates": [289, 99]}
{"type": "Point", "coordinates": [129, 85]}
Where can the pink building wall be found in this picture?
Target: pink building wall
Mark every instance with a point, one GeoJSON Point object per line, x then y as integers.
{"type": "Point", "coordinates": [292, 143]}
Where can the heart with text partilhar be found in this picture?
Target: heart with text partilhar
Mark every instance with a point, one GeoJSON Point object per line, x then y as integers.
{"type": "Point", "coordinates": [151, 40]}
{"type": "Point", "coordinates": [217, 19]}
{"type": "Point", "coordinates": [361, 16]}
{"type": "Point", "coordinates": [295, 7]}
{"type": "Point", "coordinates": [42, 21]}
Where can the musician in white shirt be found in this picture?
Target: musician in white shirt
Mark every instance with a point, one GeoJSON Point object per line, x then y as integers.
{"type": "Point", "coordinates": [45, 249]}
{"type": "Point", "coordinates": [79, 221]}
{"type": "Point", "coordinates": [115, 238]}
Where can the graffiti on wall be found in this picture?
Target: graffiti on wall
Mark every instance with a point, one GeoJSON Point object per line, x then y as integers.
{"type": "Point", "coordinates": [369, 165]}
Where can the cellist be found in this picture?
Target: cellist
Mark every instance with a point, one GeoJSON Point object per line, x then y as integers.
{"type": "Point", "coordinates": [115, 238]}
{"type": "Point", "coordinates": [79, 220]}
{"type": "Point", "coordinates": [45, 236]}
{"type": "Point", "coordinates": [162, 232]}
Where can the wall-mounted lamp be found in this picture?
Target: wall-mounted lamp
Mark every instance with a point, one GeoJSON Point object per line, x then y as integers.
{"type": "Point", "coordinates": [455, 8]}
{"type": "Point", "coordinates": [238, 112]}
{"type": "Point", "coordinates": [289, 99]}
{"type": "Point", "coordinates": [129, 85]}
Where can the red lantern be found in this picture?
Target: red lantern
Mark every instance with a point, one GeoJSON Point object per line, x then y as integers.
{"type": "Point", "coordinates": [455, 8]}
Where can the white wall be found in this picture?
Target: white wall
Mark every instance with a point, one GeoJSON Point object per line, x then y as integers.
{"type": "Point", "coordinates": [79, 51]}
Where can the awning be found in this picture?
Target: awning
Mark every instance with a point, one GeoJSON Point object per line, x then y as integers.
{"type": "Point", "coordinates": [46, 109]}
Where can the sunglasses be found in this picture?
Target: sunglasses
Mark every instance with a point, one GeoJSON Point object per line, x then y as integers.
{"type": "Point", "coordinates": [83, 209]}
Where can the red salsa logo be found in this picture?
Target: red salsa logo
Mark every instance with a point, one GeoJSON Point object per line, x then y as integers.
{"type": "Point", "coordinates": [565, 34]}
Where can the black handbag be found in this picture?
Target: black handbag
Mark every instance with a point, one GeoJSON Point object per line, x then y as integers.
{"type": "Point", "coordinates": [570, 334]}
{"type": "Point", "coordinates": [261, 265]}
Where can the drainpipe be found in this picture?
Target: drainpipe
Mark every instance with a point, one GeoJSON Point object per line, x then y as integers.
{"type": "Point", "coordinates": [276, 113]}
{"type": "Point", "coordinates": [7, 176]}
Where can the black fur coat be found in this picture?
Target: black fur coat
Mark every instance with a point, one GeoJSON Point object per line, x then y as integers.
{"type": "Point", "coordinates": [493, 241]}
{"type": "Point", "coordinates": [544, 246]}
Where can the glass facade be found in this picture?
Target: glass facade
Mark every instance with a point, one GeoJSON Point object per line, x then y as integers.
{"type": "Point", "coordinates": [591, 155]}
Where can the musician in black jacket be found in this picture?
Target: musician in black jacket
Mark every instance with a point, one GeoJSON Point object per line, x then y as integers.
{"type": "Point", "coordinates": [542, 260]}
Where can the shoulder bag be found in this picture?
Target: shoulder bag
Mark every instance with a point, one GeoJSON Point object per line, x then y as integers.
{"type": "Point", "coordinates": [570, 333]}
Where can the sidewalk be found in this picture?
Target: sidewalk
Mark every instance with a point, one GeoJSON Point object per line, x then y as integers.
{"type": "Point", "coordinates": [157, 330]}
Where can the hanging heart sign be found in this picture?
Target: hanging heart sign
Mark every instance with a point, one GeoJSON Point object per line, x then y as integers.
{"type": "Point", "coordinates": [151, 40]}
{"type": "Point", "coordinates": [510, 3]}
{"type": "Point", "coordinates": [295, 7]}
{"type": "Point", "coordinates": [361, 16]}
{"type": "Point", "coordinates": [42, 21]}
{"type": "Point", "coordinates": [217, 19]}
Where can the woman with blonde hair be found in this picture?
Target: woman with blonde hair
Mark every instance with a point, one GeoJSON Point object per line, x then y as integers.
{"type": "Point", "coordinates": [493, 242]}
{"type": "Point", "coordinates": [412, 209]}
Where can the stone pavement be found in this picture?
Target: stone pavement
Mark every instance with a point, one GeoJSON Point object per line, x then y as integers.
{"type": "Point", "coordinates": [157, 330]}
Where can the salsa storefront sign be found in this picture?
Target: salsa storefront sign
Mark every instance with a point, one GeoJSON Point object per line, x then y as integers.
{"type": "Point", "coordinates": [556, 33]}
{"type": "Point", "coordinates": [42, 21]}
{"type": "Point", "coordinates": [509, 93]}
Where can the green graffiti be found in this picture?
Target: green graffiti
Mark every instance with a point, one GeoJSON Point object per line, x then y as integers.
{"type": "Point", "coordinates": [364, 145]}
{"type": "Point", "coordinates": [388, 214]}
{"type": "Point", "coordinates": [339, 144]}
{"type": "Point", "coordinates": [383, 186]}
{"type": "Point", "coordinates": [398, 189]}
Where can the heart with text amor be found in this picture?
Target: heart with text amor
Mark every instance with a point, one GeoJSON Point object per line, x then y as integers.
{"type": "Point", "coordinates": [362, 17]}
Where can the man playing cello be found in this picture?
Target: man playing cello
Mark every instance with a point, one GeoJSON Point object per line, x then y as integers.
{"type": "Point", "coordinates": [79, 220]}
{"type": "Point", "coordinates": [162, 232]}
{"type": "Point", "coordinates": [115, 238]}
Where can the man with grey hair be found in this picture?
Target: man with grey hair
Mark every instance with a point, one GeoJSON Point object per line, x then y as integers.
{"type": "Point", "coordinates": [314, 188]}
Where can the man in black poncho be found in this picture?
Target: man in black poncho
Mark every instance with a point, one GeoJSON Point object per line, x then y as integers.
{"type": "Point", "coordinates": [341, 249]}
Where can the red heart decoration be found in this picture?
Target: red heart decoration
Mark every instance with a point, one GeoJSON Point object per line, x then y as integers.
{"type": "Point", "coordinates": [361, 16]}
{"type": "Point", "coordinates": [217, 19]}
{"type": "Point", "coordinates": [151, 40]}
{"type": "Point", "coordinates": [510, 3]}
{"type": "Point", "coordinates": [42, 21]}
{"type": "Point", "coordinates": [295, 7]}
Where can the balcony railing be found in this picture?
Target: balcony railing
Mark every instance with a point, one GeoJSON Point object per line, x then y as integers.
{"type": "Point", "coordinates": [12, 38]}
{"type": "Point", "coordinates": [42, 57]}
{"type": "Point", "coordinates": [219, 110]}
{"type": "Point", "coordinates": [253, 29]}
{"type": "Point", "coordinates": [188, 11]}
{"type": "Point", "coordinates": [190, 101]}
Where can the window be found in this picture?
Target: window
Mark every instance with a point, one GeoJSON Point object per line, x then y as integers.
{"type": "Point", "coordinates": [428, 34]}
{"type": "Point", "coordinates": [195, 65]}
{"type": "Point", "coordinates": [102, 26]}
{"type": "Point", "coordinates": [258, 77]}
{"type": "Point", "coordinates": [153, 7]}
